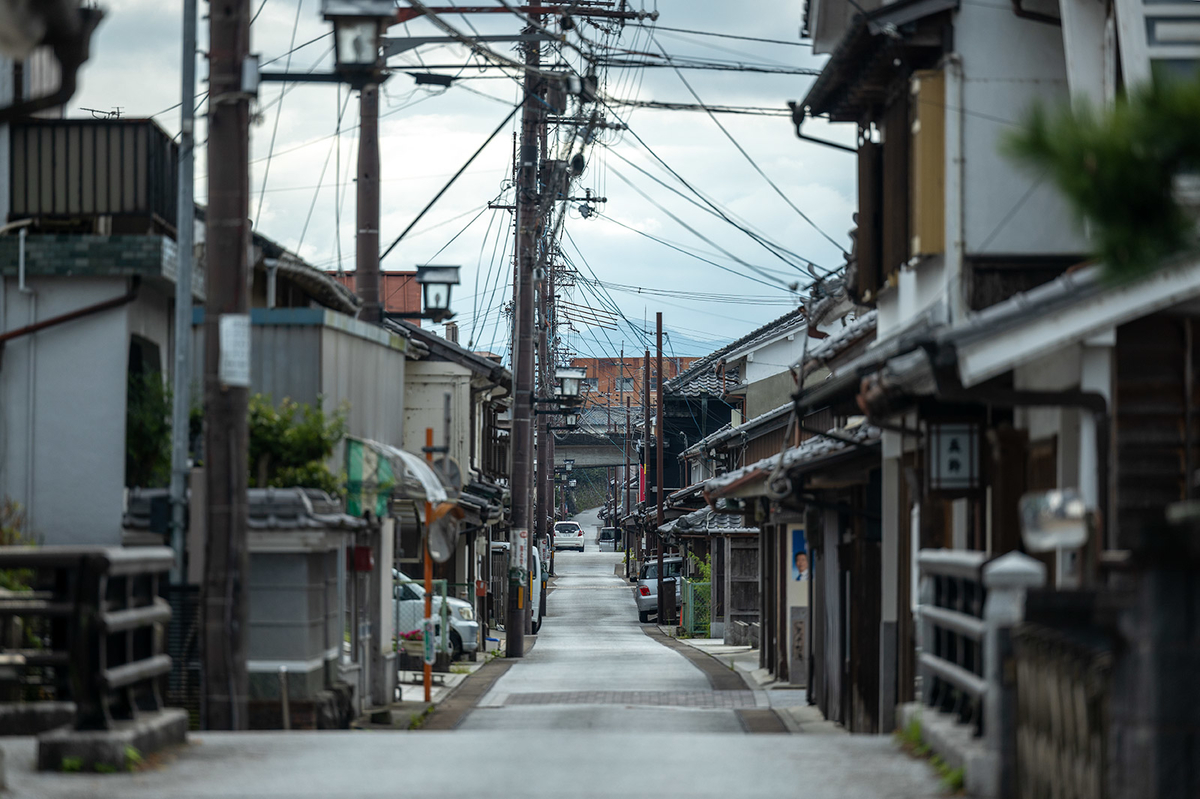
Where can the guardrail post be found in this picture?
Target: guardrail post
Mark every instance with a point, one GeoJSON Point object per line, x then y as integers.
{"type": "Point", "coordinates": [1007, 580]}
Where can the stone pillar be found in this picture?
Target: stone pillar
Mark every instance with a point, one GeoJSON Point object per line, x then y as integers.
{"type": "Point", "coordinates": [1007, 579]}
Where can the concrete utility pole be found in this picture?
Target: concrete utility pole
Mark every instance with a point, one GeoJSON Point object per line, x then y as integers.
{"type": "Point", "coordinates": [366, 262]}
{"type": "Point", "coordinates": [185, 222]}
{"type": "Point", "coordinates": [225, 680]}
{"type": "Point", "coordinates": [528, 222]}
{"type": "Point", "coordinates": [660, 483]}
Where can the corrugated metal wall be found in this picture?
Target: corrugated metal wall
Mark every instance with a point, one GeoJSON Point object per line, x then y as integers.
{"type": "Point", "coordinates": [307, 361]}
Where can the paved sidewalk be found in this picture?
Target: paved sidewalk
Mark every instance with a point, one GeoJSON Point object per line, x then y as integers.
{"type": "Point", "coordinates": [789, 702]}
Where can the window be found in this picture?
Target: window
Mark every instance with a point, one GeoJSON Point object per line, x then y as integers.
{"type": "Point", "coordinates": [591, 384]}
{"type": "Point", "coordinates": [625, 384]}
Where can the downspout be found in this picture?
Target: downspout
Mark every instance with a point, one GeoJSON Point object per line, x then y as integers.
{"type": "Point", "coordinates": [955, 133]}
{"type": "Point", "coordinates": [30, 376]}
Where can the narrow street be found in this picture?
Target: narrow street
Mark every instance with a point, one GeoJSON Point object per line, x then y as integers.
{"type": "Point", "coordinates": [585, 714]}
{"type": "Point", "coordinates": [594, 669]}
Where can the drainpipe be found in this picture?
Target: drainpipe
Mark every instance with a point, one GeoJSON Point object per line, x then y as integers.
{"type": "Point", "coordinates": [272, 268]}
{"type": "Point", "coordinates": [955, 258]}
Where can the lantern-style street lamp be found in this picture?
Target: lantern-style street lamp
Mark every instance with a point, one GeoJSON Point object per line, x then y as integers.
{"type": "Point", "coordinates": [570, 379]}
{"type": "Point", "coordinates": [435, 282]}
{"type": "Point", "coordinates": [358, 27]}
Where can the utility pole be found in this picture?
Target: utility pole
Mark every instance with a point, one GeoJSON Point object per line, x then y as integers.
{"type": "Point", "coordinates": [660, 483]}
{"type": "Point", "coordinates": [225, 680]}
{"type": "Point", "coordinates": [523, 376]}
{"type": "Point", "coordinates": [366, 263]}
{"type": "Point", "coordinates": [185, 222]}
{"type": "Point", "coordinates": [625, 537]}
{"type": "Point", "coordinates": [645, 542]}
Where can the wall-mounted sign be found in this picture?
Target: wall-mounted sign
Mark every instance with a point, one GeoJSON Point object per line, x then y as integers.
{"type": "Point", "coordinates": [953, 456]}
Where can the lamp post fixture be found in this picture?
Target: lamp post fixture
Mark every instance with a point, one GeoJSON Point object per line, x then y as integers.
{"type": "Point", "coordinates": [436, 283]}
{"type": "Point", "coordinates": [358, 27]}
{"type": "Point", "coordinates": [570, 380]}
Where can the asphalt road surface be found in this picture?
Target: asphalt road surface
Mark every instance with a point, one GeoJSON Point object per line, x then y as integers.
{"type": "Point", "coordinates": [598, 708]}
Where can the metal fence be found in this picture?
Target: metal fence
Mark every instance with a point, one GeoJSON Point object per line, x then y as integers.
{"type": "Point", "coordinates": [1062, 713]}
{"type": "Point", "coordinates": [697, 608]}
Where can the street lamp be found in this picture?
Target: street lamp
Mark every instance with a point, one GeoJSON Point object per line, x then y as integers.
{"type": "Point", "coordinates": [358, 27]}
{"type": "Point", "coordinates": [435, 283]}
{"type": "Point", "coordinates": [435, 287]}
{"type": "Point", "coordinates": [570, 379]}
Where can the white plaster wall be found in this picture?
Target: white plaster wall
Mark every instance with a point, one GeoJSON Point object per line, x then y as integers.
{"type": "Point", "coordinates": [426, 384]}
{"type": "Point", "coordinates": [78, 414]}
{"type": "Point", "coordinates": [1008, 63]}
{"type": "Point", "coordinates": [774, 358]}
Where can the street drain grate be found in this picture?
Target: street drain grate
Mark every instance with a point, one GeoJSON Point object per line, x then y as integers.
{"type": "Point", "coordinates": [732, 700]}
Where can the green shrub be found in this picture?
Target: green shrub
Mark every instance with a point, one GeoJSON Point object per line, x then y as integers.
{"type": "Point", "coordinates": [1117, 168]}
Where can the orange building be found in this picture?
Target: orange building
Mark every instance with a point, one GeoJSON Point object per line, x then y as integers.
{"type": "Point", "coordinates": [610, 381]}
{"type": "Point", "coordinates": [399, 292]}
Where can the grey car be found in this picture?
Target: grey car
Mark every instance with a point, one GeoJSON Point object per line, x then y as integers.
{"type": "Point", "coordinates": [645, 593]}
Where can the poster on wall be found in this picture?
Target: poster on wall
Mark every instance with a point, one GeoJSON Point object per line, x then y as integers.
{"type": "Point", "coordinates": [799, 555]}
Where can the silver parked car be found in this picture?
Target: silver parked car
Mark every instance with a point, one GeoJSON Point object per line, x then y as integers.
{"type": "Point", "coordinates": [645, 593]}
{"type": "Point", "coordinates": [409, 607]}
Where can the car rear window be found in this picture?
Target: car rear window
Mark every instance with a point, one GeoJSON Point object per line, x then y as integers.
{"type": "Point", "coordinates": [565, 527]}
{"type": "Point", "coordinates": [670, 569]}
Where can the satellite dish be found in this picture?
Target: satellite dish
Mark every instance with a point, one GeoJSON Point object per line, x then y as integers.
{"type": "Point", "coordinates": [442, 531]}
{"type": "Point", "coordinates": [450, 472]}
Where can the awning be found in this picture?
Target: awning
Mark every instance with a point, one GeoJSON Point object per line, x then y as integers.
{"type": "Point", "coordinates": [377, 472]}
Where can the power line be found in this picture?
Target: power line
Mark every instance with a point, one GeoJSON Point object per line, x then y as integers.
{"type": "Point", "coordinates": [278, 113]}
{"type": "Point", "coordinates": [453, 178]}
{"type": "Point", "coordinates": [707, 240]}
{"type": "Point", "coordinates": [709, 209]}
{"type": "Point", "coordinates": [754, 164]}
{"type": "Point", "coordinates": [733, 36]}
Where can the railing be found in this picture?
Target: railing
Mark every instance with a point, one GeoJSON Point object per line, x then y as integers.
{"type": "Point", "coordinates": [968, 609]}
{"type": "Point", "coordinates": [1062, 712]}
{"type": "Point", "coordinates": [697, 608]}
{"type": "Point", "coordinates": [95, 629]}
{"type": "Point", "coordinates": [951, 632]}
{"type": "Point", "coordinates": [69, 169]}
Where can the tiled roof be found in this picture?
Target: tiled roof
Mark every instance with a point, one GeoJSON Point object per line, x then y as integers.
{"type": "Point", "coordinates": [823, 351]}
{"type": "Point", "coordinates": [702, 377]}
{"type": "Point", "coordinates": [810, 450]}
{"type": "Point", "coordinates": [728, 431]}
{"type": "Point", "coordinates": [706, 520]}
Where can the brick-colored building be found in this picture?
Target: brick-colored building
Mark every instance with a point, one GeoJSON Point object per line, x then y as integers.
{"type": "Point", "coordinates": [610, 381]}
{"type": "Point", "coordinates": [399, 292]}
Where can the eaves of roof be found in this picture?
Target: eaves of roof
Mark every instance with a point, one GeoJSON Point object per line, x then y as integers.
{"type": "Point", "coordinates": [442, 349]}
{"type": "Point", "coordinates": [864, 61]}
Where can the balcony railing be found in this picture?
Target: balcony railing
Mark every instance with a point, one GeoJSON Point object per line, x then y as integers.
{"type": "Point", "coordinates": [94, 176]}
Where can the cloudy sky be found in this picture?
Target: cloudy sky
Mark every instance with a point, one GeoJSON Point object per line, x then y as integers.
{"type": "Point", "coordinates": [302, 169]}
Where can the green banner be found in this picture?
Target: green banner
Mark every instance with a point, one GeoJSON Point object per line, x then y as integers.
{"type": "Point", "coordinates": [370, 479]}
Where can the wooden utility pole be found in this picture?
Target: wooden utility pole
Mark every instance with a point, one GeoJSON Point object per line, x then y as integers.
{"type": "Point", "coordinates": [645, 479]}
{"type": "Point", "coordinates": [366, 263]}
{"type": "Point", "coordinates": [225, 680]}
{"type": "Point", "coordinates": [528, 222]}
{"type": "Point", "coordinates": [660, 483]}
{"type": "Point", "coordinates": [624, 537]}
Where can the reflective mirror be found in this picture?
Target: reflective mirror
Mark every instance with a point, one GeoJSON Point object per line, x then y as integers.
{"type": "Point", "coordinates": [1053, 520]}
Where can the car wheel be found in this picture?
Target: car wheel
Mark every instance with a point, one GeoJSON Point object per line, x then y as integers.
{"type": "Point", "coordinates": [456, 645]}
{"type": "Point", "coordinates": [537, 625]}
{"type": "Point", "coordinates": [644, 616]}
